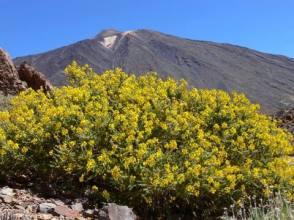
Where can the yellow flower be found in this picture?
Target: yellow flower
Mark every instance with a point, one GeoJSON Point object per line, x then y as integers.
{"type": "Point", "coordinates": [79, 130]}
{"type": "Point", "coordinates": [90, 164]}
{"type": "Point", "coordinates": [116, 172]}
{"type": "Point", "coordinates": [224, 125]}
{"type": "Point", "coordinates": [82, 178]}
{"type": "Point", "coordinates": [184, 151]}
{"type": "Point", "coordinates": [94, 188]}
{"type": "Point", "coordinates": [64, 131]}
{"type": "Point", "coordinates": [106, 195]}
{"type": "Point", "coordinates": [216, 127]}
{"type": "Point", "coordinates": [172, 145]}
{"type": "Point", "coordinates": [24, 150]}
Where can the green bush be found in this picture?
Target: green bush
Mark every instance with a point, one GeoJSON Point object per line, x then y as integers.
{"type": "Point", "coordinates": [148, 143]}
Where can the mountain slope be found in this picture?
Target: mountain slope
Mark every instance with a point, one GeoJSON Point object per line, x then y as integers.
{"type": "Point", "coordinates": [264, 78]}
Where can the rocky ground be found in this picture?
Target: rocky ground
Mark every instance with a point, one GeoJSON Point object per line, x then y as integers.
{"type": "Point", "coordinates": [23, 204]}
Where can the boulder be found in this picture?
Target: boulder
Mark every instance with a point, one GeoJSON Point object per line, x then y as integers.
{"type": "Point", "coordinates": [9, 79]}
{"type": "Point", "coordinates": [78, 206]}
{"type": "Point", "coordinates": [34, 79]}
{"type": "Point", "coordinates": [286, 119]}
{"type": "Point", "coordinates": [46, 207]}
{"type": "Point", "coordinates": [113, 211]}
{"type": "Point", "coordinates": [7, 191]}
{"type": "Point", "coordinates": [66, 212]}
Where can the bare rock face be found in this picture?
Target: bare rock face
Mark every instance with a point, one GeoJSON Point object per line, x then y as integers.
{"type": "Point", "coordinates": [34, 79]}
{"type": "Point", "coordinates": [9, 79]}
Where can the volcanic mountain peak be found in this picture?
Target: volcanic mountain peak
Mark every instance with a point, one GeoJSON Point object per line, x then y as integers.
{"type": "Point", "coordinates": [265, 78]}
{"type": "Point", "coordinates": [107, 33]}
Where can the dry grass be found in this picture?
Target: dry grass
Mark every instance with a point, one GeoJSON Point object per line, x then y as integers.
{"type": "Point", "coordinates": [277, 208]}
{"type": "Point", "coordinates": [4, 101]}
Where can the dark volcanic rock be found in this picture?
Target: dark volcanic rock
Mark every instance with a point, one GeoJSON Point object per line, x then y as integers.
{"type": "Point", "coordinates": [264, 78]}
{"type": "Point", "coordinates": [286, 119]}
{"type": "Point", "coordinates": [9, 79]}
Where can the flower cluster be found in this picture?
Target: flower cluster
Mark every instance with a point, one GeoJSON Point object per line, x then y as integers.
{"type": "Point", "coordinates": [149, 142]}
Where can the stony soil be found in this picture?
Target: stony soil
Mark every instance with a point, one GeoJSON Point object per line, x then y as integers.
{"type": "Point", "coordinates": [23, 204]}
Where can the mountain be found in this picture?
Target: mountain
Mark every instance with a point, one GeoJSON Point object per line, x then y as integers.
{"type": "Point", "coordinates": [265, 78]}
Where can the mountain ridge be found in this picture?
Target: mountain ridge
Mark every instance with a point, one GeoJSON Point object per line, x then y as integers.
{"type": "Point", "coordinates": [150, 30]}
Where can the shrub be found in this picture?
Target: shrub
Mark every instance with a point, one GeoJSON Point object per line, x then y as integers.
{"type": "Point", "coordinates": [148, 142]}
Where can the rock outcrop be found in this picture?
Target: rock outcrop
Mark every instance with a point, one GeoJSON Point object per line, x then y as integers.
{"type": "Point", "coordinates": [34, 79]}
{"type": "Point", "coordinates": [13, 80]}
{"type": "Point", "coordinates": [9, 79]}
{"type": "Point", "coordinates": [286, 119]}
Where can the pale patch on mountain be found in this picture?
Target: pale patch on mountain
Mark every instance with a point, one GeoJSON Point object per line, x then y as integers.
{"type": "Point", "coordinates": [108, 42]}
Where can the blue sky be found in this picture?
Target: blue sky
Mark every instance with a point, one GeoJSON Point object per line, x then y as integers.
{"type": "Point", "coordinates": [34, 26]}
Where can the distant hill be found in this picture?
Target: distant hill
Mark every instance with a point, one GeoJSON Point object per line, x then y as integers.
{"type": "Point", "coordinates": [264, 78]}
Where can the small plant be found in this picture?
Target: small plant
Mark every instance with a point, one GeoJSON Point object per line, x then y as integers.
{"type": "Point", "coordinates": [147, 142]}
{"type": "Point", "coordinates": [276, 208]}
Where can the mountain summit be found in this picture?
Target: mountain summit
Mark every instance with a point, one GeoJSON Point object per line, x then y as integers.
{"type": "Point", "coordinates": [264, 78]}
{"type": "Point", "coordinates": [107, 33]}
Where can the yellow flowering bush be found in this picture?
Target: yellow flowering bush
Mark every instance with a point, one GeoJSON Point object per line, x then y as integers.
{"type": "Point", "coordinates": [148, 142]}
